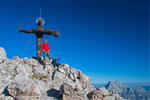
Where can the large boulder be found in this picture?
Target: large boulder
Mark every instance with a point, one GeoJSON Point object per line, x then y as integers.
{"type": "Point", "coordinates": [24, 88]}
{"type": "Point", "coordinates": [67, 92]}
{"type": "Point", "coordinates": [103, 94]}
{"type": "Point", "coordinates": [6, 74]}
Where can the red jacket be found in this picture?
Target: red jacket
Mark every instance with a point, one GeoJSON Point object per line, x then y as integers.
{"type": "Point", "coordinates": [45, 47]}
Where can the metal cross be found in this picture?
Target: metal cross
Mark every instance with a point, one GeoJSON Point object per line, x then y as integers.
{"type": "Point", "coordinates": [39, 32]}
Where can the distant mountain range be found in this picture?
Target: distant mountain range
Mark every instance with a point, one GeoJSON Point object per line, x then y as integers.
{"type": "Point", "coordinates": [144, 85]}
{"type": "Point", "coordinates": [132, 92]}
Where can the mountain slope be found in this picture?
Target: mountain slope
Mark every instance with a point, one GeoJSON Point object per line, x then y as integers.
{"type": "Point", "coordinates": [27, 79]}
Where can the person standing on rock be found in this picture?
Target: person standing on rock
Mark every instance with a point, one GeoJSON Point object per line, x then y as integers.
{"type": "Point", "coordinates": [45, 48]}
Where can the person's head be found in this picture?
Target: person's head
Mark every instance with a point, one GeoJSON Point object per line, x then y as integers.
{"type": "Point", "coordinates": [45, 41]}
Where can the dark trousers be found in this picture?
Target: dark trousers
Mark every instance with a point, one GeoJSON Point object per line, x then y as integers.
{"type": "Point", "coordinates": [48, 54]}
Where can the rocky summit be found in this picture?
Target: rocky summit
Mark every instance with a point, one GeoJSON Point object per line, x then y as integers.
{"type": "Point", "coordinates": [28, 79]}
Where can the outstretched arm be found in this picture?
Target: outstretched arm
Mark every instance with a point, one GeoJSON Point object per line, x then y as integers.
{"type": "Point", "coordinates": [26, 31]}
{"type": "Point", "coordinates": [50, 32]}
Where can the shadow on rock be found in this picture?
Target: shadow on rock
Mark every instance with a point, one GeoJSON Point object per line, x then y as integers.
{"type": "Point", "coordinates": [5, 91]}
{"type": "Point", "coordinates": [53, 93]}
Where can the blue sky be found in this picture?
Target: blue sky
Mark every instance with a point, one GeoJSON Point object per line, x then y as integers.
{"type": "Point", "coordinates": [106, 40]}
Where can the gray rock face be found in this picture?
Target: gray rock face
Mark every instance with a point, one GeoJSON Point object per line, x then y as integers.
{"type": "Point", "coordinates": [103, 94]}
{"type": "Point", "coordinates": [23, 87]}
{"type": "Point", "coordinates": [68, 92]}
{"type": "Point", "coordinates": [127, 92]}
{"type": "Point", "coordinates": [2, 55]}
{"type": "Point", "coordinates": [3, 97]}
{"type": "Point", "coordinates": [27, 79]}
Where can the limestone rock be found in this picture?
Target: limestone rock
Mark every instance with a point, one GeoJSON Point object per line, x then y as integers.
{"type": "Point", "coordinates": [23, 88]}
{"type": "Point", "coordinates": [2, 55]}
{"type": "Point", "coordinates": [67, 92]}
{"type": "Point", "coordinates": [9, 98]}
{"type": "Point", "coordinates": [31, 62]}
{"type": "Point", "coordinates": [103, 94]}
{"type": "Point", "coordinates": [3, 97]}
{"type": "Point", "coordinates": [16, 58]}
{"type": "Point", "coordinates": [28, 79]}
